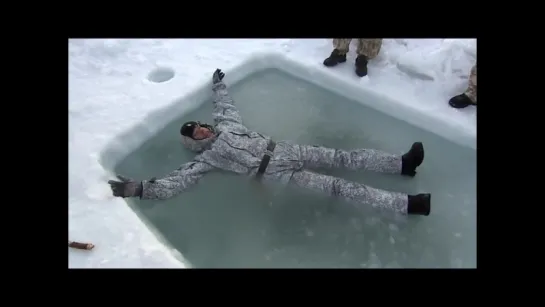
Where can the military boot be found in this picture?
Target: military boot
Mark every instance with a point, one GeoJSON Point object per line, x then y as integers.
{"type": "Point", "coordinates": [419, 204]}
{"type": "Point", "coordinates": [461, 101]}
{"type": "Point", "coordinates": [412, 159]}
{"type": "Point", "coordinates": [361, 66]}
{"type": "Point", "coordinates": [335, 58]}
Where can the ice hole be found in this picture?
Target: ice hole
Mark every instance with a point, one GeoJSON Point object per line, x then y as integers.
{"type": "Point", "coordinates": [227, 221]}
{"type": "Point", "coordinates": [161, 74]}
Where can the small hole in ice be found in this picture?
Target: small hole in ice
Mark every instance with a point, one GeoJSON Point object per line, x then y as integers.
{"type": "Point", "coordinates": [161, 74]}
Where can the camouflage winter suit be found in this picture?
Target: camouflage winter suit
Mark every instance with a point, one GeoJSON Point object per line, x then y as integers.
{"type": "Point", "coordinates": [238, 149]}
{"type": "Point", "coordinates": [471, 91]}
{"type": "Point", "coordinates": [368, 47]}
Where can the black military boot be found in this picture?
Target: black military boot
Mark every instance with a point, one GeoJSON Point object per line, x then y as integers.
{"type": "Point", "coordinates": [412, 159]}
{"type": "Point", "coordinates": [361, 66]}
{"type": "Point", "coordinates": [419, 204]}
{"type": "Point", "coordinates": [461, 101]}
{"type": "Point", "coordinates": [335, 58]}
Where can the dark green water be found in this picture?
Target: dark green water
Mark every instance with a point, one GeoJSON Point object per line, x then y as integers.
{"type": "Point", "coordinates": [229, 221]}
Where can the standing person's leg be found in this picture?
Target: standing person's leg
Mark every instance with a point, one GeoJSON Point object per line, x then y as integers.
{"type": "Point", "coordinates": [367, 50]}
{"type": "Point", "coordinates": [471, 91]}
{"type": "Point", "coordinates": [469, 97]}
{"type": "Point", "coordinates": [360, 194]}
{"type": "Point", "coordinates": [363, 159]}
{"type": "Point", "coordinates": [341, 46]}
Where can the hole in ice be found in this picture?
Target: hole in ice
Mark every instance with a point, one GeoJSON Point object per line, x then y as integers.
{"type": "Point", "coordinates": [226, 221]}
{"type": "Point", "coordinates": [161, 74]}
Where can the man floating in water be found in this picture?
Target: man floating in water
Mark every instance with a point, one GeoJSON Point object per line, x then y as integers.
{"type": "Point", "coordinates": [231, 146]}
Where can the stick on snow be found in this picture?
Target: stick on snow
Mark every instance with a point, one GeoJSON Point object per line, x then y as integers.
{"type": "Point", "coordinates": [79, 245]}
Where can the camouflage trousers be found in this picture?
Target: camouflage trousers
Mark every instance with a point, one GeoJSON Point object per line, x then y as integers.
{"type": "Point", "coordinates": [471, 91]}
{"type": "Point", "coordinates": [319, 157]}
{"type": "Point", "coordinates": [368, 47]}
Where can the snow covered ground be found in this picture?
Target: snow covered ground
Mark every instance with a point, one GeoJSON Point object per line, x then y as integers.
{"type": "Point", "coordinates": [109, 93]}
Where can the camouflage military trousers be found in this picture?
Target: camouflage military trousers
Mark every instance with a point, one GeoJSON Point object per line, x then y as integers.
{"type": "Point", "coordinates": [367, 47]}
{"type": "Point", "coordinates": [316, 157]}
{"type": "Point", "coordinates": [471, 91]}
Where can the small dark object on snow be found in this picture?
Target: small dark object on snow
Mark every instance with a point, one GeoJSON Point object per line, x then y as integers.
{"type": "Point", "coordinates": [79, 245]}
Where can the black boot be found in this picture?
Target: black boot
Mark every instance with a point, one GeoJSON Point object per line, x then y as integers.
{"type": "Point", "coordinates": [412, 159]}
{"type": "Point", "coordinates": [419, 204]}
{"type": "Point", "coordinates": [335, 58]}
{"type": "Point", "coordinates": [461, 101]}
{"type": "Point", "coordinates": [361, 66]}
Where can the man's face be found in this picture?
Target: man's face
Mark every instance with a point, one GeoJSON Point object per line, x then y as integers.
{"type": "Point", "coordinates": [201, 133]}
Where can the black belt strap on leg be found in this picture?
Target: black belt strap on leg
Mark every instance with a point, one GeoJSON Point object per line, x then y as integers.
{"type": "Point", "coordinates": [266, 158]}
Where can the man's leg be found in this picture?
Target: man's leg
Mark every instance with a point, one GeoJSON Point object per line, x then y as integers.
{"type": "Point", "coordinates": [469, 97]}
{"type": "Point", "coordinates": [367, 50]}
{"type": "Point", "coordinates": [363, 159]}
{"type": "Point", "coordinates": [341, 47]}
{"type": "Point", "coordinates": [361, 194]}
{"type": "Point", "coordinates": [471, 91]}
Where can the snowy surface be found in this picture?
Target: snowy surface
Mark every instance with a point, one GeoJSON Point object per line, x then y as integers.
{"type": "Point", "coordinates": [109, 93]}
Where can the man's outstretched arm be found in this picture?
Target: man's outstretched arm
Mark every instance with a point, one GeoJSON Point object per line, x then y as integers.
{"type": "Point", "coordinates": [164, 188]}
{"type": "Point", "coordinates": [224, 105]}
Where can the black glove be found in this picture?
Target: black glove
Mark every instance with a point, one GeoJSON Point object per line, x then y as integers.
{"type": "Point", "coordinates": [218, 76]}
{"type": "Point", "coordinates": [126, 187]}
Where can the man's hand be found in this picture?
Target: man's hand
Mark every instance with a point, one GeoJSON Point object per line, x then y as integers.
{"type": "Point", "coordinates": [126, 187]}
{"type": "Point", "coordinates": [218, 76]}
